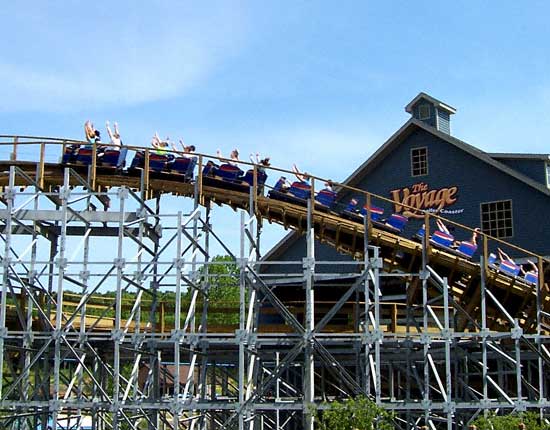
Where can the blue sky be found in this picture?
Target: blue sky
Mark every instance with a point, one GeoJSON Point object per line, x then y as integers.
{"type": "Point", "coordinates": [319, 83]}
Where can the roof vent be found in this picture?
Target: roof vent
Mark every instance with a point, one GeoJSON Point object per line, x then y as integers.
{"type": "Point", "coordinates": [431, 112]}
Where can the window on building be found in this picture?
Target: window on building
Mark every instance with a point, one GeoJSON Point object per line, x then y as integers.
{"type": "Point", "coordinates": [496, 218]}
{"type": "Point", "coordinates": [419, 161]}
{"type": "Point", "coordinates": [548, 175]}
{"type": "Point", "coordinates": [424, 111]}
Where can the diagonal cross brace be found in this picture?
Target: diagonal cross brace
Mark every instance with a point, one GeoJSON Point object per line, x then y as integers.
{"type": "Point", "coordinates": [328, 316]}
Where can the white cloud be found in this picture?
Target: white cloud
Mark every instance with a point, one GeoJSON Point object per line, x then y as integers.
{"type": "Point", "coordinates": [151, 54]}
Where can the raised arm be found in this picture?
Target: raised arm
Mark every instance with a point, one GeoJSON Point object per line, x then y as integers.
{"type": "Point", "coordinates": [301, 176]}
{"type": "Point", "coordinates": [109, 132]}
{"type": "Point", "coordinates": [503, 256]}
{"type": "Point", "coordinates": [169, 144]}
{"type": "Point", "coordinates": [89, 131]}
{"type": "Point", "coordinates": [441, 226]}
{"type": "Point", "coordinates": [234, 155]}
{"type": "Point", "coordinates": [475, 234]}
{"type": "Point", "coordinates": [155, 141]}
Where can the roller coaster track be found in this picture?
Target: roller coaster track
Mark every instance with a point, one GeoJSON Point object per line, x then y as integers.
{"type": "Point", "coordinates": [427, 333]}
{"type": "Point", "coordinates": [514, 301]}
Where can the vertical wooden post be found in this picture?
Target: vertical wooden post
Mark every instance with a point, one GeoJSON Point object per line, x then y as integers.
{"type": "Point", "coordinates": [427, 232]}
{"type": "Point", "coordinates": [312, 197]}
{"type": "Point", "coordinates": [394, 318]}
{"type": "Point", "coordinates": [13, 155]}
{"type": "Point", "coordinates": [94, 165]}
{"type": "Point", "coordinates": [41, 164]}
{"type": "Point", "coordinates": [255, 188]}
{"type": "Point", "coordinates": [199, 173]}
{"type": "Point", "coordinates": [369, 220]}
{"type": "Point", "coordinates": [161, 316]}
{"type": "Point", "coordinates": [485, 255]}
{"type": "Point", "coordinates": [541, 273]}
{"type": "Point", "coordinates": [146, 172]}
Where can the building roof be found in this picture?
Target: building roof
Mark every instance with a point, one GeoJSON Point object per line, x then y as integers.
{"type": "Point", "coordinates": [511, 156]}
{"type": "Point", "coordinates": [406, 130]}
{"type": "Point", "coordinates": [280, 247]}
{"type": "Point", "coordinates": [437, 103]}
{"type": "Point", "coordinates": [413, 125]}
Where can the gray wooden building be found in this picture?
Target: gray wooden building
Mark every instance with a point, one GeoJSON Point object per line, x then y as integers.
{"type": "Point", "coordinates": [424, 166]}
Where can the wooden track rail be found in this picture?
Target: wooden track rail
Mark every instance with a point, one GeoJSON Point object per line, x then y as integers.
{"type": "Point", "coordinates": [399, 254]}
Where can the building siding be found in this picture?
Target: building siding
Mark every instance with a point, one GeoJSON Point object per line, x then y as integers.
{"type": "Point", "coordinates": [443, 121]}
{"type": "Point", "coordinates": [534, 169]}
{"type": "Point", "coordinates": [297, 251]}
{"type": "Point", "coordinates": [477, 182]}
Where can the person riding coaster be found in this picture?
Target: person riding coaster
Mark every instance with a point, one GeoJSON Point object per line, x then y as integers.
{"type": "Point", "coordinates": [232, 177]}
{"type": "Point", "coordinates": [159, 158]}
{"type": "Point", "coordinates": [157, 162]}
{"type": "Point", "coordinates": [395, 223]}
{"type": "Point", "coordinates": [82, 154]}
{"type": "Point", "coordinates": [114, 154]}
{"type": "Point", "coordinates": [299, 192]}
{"type": "Point", "coordinates": [443, 239]}
{"type": "Point", "coordinates": [229, 175]}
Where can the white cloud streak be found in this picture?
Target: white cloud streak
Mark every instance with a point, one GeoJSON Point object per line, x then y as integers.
{"type": "Point", "coordinates": [113, 60]}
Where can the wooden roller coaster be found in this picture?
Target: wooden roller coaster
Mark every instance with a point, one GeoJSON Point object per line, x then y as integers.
{"type": "Point", "coordinates": [434, 331]}
{"type": "Point", "coordinates": [514, 299]}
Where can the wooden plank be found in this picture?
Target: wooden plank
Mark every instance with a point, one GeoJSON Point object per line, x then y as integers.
{"type": "Point", "coordinates": [146, 168]}
{"type": "Point", "coordinates": [393, 326]}
{"type": "Point", "coordinates": [94, 166]}
{"type": "Point", "coordinates": [40, 172]}
{"type": "Point", "coordinates": [13, 155]}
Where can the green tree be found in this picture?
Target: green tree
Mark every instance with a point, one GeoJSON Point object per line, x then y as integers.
{"type": "Point", "coordinates": [223, 276]}
{"type": "Point", "coordinates": [511, 422]}
{"type": "Point", "coordinates": [223, 290]}
{"type": "Point", "coordinates": [355, 414]}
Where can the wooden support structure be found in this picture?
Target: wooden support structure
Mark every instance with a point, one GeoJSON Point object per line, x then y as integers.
{"type": "Point", "coordinates": [344, 234]}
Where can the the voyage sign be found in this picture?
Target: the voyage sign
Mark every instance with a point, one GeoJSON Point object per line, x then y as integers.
{"type": "Point", "coordinates": [420, 197]}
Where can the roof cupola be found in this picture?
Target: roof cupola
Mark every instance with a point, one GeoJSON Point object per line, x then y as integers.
{"type": "Point", "coordinates": [431, 111]}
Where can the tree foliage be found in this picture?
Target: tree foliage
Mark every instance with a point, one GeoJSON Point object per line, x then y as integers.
{"type": "Point", "coordinates": [223, 290]}
{"type": "Point", "coordinates": [223, 276]}
{"type": "Point", "coordinates": [355, 414]}
{"type": "Point", "coordinates": [511, 422]}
